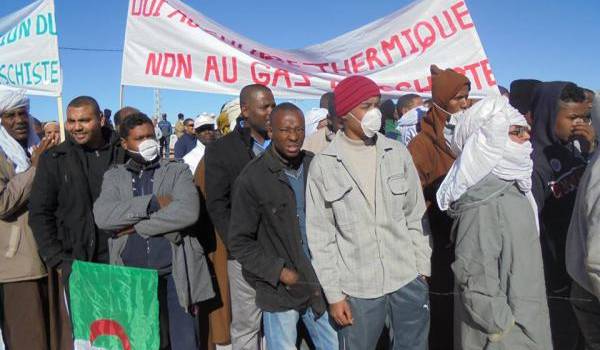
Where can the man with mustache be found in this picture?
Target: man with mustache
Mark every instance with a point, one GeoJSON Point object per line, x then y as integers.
{"type": "Point", "coordinates": [268, 236]}
{"type": "Point", "coordinates": [67, 182]}
{"type": "Point", "coordinates": [21, 269]}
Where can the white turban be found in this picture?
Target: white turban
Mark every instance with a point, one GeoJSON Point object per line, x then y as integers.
{"type": "Point", "coordinates": [233, 111]}
{"type": "Point", "coordinates": [484, 147]}
{"type": "Point", "coordinates": [10, 100]}
{"type": "Point", "coordinates": [312, 120]}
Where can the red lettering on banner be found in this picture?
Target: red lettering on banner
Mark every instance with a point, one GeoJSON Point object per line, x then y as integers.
{"type": "Point", "coordinates": [472, 68]}
{"type": "Point", "coordinates": [212, 66]}
{"type": "Point", "coordinates": [320, 65]}
{"type": "Point", "coordinates": [403, 86]}
{"type": "Point", "coordinates": [260, 78]}
{"type": "Point", "coordinates": [282, 73]}
{"type": "Point", "coordinates": [413, 47]}
{"type": "Point", "coordinates": [460, 15]}
{"type": "Point", "coordinates": [183, 18]}
{"type": "Point", "coordinates": [169, 65]}
{"type": "Point", "coordinates": [427, 41]}
{"type": "Point", "coordinates": [356, 64]}
{"type": "Point", "coordinates": [441, 27]}
{"type": "Point", "coordinates": [371, 54]}
{"type": "Point", "coordinates": [387, 46]}
{"type": "Point", "coordinates": [487, 73]}
{"type": "Point", "coordinates": [346, 68]}
{"type": "Point", "coordinates": [146, 8]}
{"type": "Point", "coordinates": [419, 88]}
{"type": "Point", "coordinates": [305, 81]}
{"type": "Point", "coordinates": [333, 84]}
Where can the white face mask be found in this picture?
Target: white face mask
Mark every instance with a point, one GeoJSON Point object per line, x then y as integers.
{"type": "Point", "coordinates": [148, 150]}
{"type": "Point", "coordinates": [370, 123]}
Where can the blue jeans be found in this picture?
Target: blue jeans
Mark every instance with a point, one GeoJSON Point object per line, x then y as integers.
{"type": "Point", "coordinates": [281, 334]}
{"type": "Point", "coordinates": [408, 310]}
{"type": "Point", "coordinates": [182, 327]}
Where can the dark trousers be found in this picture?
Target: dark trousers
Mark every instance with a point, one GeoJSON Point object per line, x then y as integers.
{"type": "Point", "coordinates": [587, 310]}
{"type": "Point", "coordinates": [565, 329]}
{"type": "Point", "coordinates": [164, 146]}
{"type": "Point", "coordinates": [24, 321]}
{"type": "Point", "coordinates": [408, 310]}
{"type": "Point", "coordinates": [176, 325]}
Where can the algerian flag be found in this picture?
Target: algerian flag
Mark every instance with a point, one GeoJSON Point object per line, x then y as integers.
{"type": "Point", "coordinates": [114, 307]}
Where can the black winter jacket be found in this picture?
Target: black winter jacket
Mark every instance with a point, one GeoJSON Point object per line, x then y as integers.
{"type": "Point", "coordinates": [61, 203]}
{"type": "Point", "coordinates": [264, 236]}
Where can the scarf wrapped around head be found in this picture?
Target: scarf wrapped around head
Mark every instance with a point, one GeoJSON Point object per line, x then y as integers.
{"type": "Point", "coordinates": [11, 100]}
{"type": "Point", "coordinates": [312, 120]}
{"type": "Point", "coordinates": [482, 142]}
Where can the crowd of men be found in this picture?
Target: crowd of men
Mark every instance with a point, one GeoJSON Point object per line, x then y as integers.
{"type": "Point", "coordinates": [442, 223]}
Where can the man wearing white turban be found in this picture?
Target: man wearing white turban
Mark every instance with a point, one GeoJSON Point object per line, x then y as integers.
{"type": "Point", "coordinates": [499, 277]}
{"type": "Point", "coordinates": [21, 269]}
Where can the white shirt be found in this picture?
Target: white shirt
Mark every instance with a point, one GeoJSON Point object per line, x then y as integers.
{"type": "Point", "coordinates": [193, 158]}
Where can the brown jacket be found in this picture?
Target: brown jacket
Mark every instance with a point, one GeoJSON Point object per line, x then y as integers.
{"type": "Point", "coordinates": [19, 259]}
{"type": "Point", "coordinates": [219, 307]}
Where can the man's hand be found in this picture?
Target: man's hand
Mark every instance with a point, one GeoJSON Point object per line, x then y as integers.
{"type": "Point", "coordinates": [45, 144]}
{"type": "Point", "coordinates": [586, 135]}
{"type": "Point", "coordinates": [126, 231]}
{"type": "Point", "coordinates": [164, 201]}
{"type": "Point", "coordinates": [341, 313]}
{"type": "Point", "coordinates": [288, 277]}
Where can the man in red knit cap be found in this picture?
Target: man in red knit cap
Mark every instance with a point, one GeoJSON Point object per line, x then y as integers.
{"type": "Point", "coordinates": [364, 207]}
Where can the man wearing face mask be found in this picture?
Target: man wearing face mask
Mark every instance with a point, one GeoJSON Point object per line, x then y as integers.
{"type": "Point", "coordinates": [224, 160]}
{"type": "Point", "coordinates": [433, 158]}
{"type": "Point", "coordinates": [147, 203]}
{"type": "Point", "coordinates": [363, 216]}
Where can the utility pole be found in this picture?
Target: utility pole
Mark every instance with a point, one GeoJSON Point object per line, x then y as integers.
{"type": "Point", "coordinates": [157, 104]}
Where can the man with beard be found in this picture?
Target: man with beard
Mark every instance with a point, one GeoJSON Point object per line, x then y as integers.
{"type": "Point", "coordinates": [66, 184]}
{"type": "Point", "coordinates": [433, 158]}
{"type": "Point", "coordinates": [225, 159]}
{"type": "Point", "coordinates": [147, 203]}
{"type": "Point", "coordinates": [22, 271]}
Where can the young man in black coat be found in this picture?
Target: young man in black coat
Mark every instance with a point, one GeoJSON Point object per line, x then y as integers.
{"type": "Point", "coordinates": [224, 160]}
{"type": "Point", "coordinates": [267, 234]}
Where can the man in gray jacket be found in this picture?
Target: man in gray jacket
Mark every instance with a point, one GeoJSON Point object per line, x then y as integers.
{"type": "Point", "coordinates": [364, 208]}
{"type": "Point", "coordinates": [148, 203]}
{"type": "Point", "coordinates": [583, 251]}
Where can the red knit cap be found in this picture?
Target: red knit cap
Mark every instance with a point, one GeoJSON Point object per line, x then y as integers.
{"type": "Point", "coordinates": [353, 91]}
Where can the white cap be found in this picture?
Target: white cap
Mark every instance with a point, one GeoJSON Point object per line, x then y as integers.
{"type": "Point", "coordinates": [203, 120]}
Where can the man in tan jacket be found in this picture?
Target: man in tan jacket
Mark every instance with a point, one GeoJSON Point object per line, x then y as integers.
{"type": "Point", "coordinates": [21, 269]}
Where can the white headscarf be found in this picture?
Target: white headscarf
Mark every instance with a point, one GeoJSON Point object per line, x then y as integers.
{"type": "Point", "coordinates": [233, 111]}
{"type": "Point", "coordinates": [10, 100]}
{"type": "Point", "coordinates": [312, 120]}
{"type": "Point", "coordinates": [481, 140]}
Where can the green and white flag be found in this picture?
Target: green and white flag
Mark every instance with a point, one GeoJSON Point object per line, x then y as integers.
{"type": "Point", "coordinates": [114, 307]}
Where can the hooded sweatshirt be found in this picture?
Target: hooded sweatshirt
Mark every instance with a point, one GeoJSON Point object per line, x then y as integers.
{"type": "Point", "coordinates": [557, 171]}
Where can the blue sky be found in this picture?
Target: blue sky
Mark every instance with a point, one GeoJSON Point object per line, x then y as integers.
{"type": "Point", "coordinates": [543, 39]}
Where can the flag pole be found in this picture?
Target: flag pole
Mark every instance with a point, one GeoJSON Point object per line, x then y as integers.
{"type": "Point", "coordinates": [121, 96]}
{"type": "Point", "coordinates": [61, 121]}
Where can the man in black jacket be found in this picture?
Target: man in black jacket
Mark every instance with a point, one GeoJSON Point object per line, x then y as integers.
{"type": "Point", "coordinates": [225, 159]}
{"type": "Point", "coordinates": [267, 235]}
{"type": "Point", "coordinates": [563, 140]}
{"type": "Point", "coordinates": [67, 183]}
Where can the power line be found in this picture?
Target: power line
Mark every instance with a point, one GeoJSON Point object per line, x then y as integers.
{"type": "Point", "coordinates": [88, 49]}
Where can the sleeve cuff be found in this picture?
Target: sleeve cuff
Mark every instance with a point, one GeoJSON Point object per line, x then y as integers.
{"type": "Point", "coordinates": [334, 296]}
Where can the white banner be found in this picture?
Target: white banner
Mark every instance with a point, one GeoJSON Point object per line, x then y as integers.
{"type": "Point", "coordinates": [170, 45]}
{"type": "Point", "coordinates": [29, 50]}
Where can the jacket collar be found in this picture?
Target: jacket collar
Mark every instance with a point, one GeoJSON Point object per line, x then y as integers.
{"type": "Point", "coordinates": [383, 145]}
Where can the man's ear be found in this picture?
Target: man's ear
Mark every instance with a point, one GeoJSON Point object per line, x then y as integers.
{"type": "Point", "coordinates": [244, 111]}
{"type": "Point", "coordinates": [124, 144]}
{"type": "Point", "coordinates": [102, 120]}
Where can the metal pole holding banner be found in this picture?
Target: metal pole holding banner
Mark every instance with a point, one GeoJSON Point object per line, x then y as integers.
{"type": "Point", "coordinates": [121, 88]}
{"type": "Point", "coordinates": [61, 121]}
